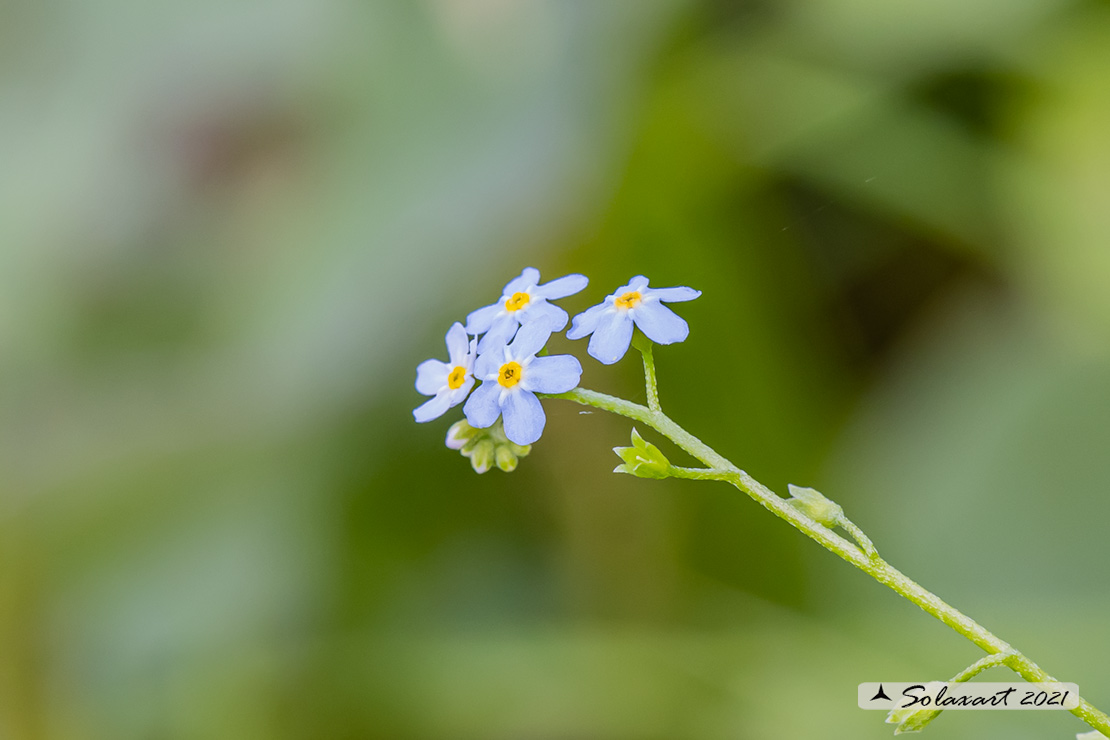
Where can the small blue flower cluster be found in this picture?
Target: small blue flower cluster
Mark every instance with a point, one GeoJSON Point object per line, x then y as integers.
{"type": "Point", "coordinates": [500, 342]}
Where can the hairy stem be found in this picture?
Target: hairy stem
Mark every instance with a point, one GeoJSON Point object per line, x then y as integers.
{"type": "Point", "coordinates": [857, 534]}
{"type": "Point", "coordinates": [642, 343]}
{"type": "Point", "coordinates": [873, 565]}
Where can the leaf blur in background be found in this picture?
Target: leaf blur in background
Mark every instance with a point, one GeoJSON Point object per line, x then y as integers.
{"type": "Point", "coordinates": [230, 230]}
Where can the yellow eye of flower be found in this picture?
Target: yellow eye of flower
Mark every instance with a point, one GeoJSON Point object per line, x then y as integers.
{"type": "Point", "coordinates": [631, 299]}
{"type": "Point", "coordinates": [456, 378]}
{"type": "Point", "coordinates": [517, 301]}
{"type": "Point", "coordinates": [509, 374]}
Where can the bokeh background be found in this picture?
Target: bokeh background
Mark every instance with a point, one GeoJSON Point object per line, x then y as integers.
{"type": "Point", "coordinates": [229, 231]}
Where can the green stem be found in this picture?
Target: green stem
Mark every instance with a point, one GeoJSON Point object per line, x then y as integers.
{"type": "Point", "coordinates": [874, 566]}
{"type": "Point", "coordinates": [857, 534]}
{"type": "Point", "coordinates": [697, 473]}
{"type": "Point", "coordinates": [973, 670]}
{"type": "Point", "coordinates": [642, 343]}
{"type": "Point", "coordinates": [915, 720]}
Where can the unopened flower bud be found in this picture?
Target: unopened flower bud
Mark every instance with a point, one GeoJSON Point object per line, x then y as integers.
{"type": "Point", "coordinates": [813, 504]}
{"type": "Point", "coordinates": [911, 720]}
{"type": "Point", "coordinates": [506, 460]}
{"type": "Point", "coordinates": [459, 434]}
{"type": "Point", "coordinates": [482, 455]}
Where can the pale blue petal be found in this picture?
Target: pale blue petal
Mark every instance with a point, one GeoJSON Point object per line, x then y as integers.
{"type": "Point", "coordinates": [673, 295]}
{"type": "Point", "coordinates": [542, 312]}
{"type": "Point", "coordinates": [490, 361]}
{"type": "Point", "coordinates": [432, 409]}
{"type": "Point", "coordinates": [528, 279]}
{"type": "Point", "coordinates": [660, 324]}
{"type": "Point", "coordinates": [501, 332]}
{"type": "Point", "coordinates": [458, 345]}
{"type": "Point", "coordinates": [585, 322]}
{"type": "Point", "coordinates": [478, 322]}
{"type": "Point", "coordinates": [611, 337]}
{"type": "Point", "coordinates": [639, 283]}
{"type": "Point", "coordinates": [458, 395]}
{"type": "Point", "coordinates": [554, 374]}
{"type": "Point", "coordinates": [524, 417]}
{"type": "Point", "coordinates": [482, 408]}
{"type": "Point", "coordinates": [431, 375]}
{"type": "Point", "coordinates": [561, 288]}
{"type": "Point", "coordinates": [529, 340]}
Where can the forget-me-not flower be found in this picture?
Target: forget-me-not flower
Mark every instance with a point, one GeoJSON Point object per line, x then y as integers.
{"type": "Point", "coordinates": [511, 377]}
{"type": "Point", "coordinates": [611, 321]}
{"type": "Point", "coordinates": [523, 301]}
{"type": "Point", "coordinates": [448, 381]}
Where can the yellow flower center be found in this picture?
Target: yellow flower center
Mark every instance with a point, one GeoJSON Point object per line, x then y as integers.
{"type": "Point", "coordinates": [509, 374]}
{"type": "Point", "coordinates": [517, 301]}
{"type": "Point", "coordinates": [456, 378]}
{"type": "Point", "coordinates": [631, 299]}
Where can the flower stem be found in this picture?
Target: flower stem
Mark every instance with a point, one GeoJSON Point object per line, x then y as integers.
{"type": "Point", "coordinates": [873, 565]}
{"type": "Point", "coordinates": [642, 343]}
{"type": "Point", "coordinates": [697, 473]}
{"type": "Point", "coordinates": [857, 534]}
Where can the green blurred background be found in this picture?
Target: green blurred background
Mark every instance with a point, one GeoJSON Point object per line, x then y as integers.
{"type": "Point", "coordinates": [229, 231]}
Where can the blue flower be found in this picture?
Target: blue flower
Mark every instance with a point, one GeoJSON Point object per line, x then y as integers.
{"type": "Point", "coordinates": [511, 377]}
{"type": "Point", "coordinates": [523, 301]}
{"type": "Point", "coordinates": [449, 381]}
{"type": "Point", "coordinates": [611, 321]}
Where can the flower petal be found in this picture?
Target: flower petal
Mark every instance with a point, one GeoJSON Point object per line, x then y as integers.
{"type": "Point", "coordinates": [458, 395]}
{"type": "Point", "coordinates": [542, 312]}
{"type": "Point", "coordinates": [458, 345]}
{"type": "Point", "coordinates": [529, 276]}
{"type": "Point", "coordinates": [432, 409]}
{"type": "Point", "coordinates": [611, 337]}
{"type": "Point", "coordinates": [554, 374]}
{"type": "Point", "coordinates": [529, 340]}
{"type": "Point", "coordinates": [673, 295]}
{"type": "Point", "coordinates": [562, 287]}
{"type": "Point", "coordinates": [659, 323]}
{"type": "Point", "coordinates": [500, 332]}
{"type": "Point", "coordinates": [431, 375]}
{"type": "Point", "coordinates": [524, 417]}
{"type": "Point", "coordinates": [482, 408]}
{"type": "Point", "coordinates": [478, 322]}
{"type": "Point", "coordinates": [585, 322]}
{"type": "Point", "coordinates": [639, 283]}
{"type": "Point", "coordinates": [489, 362]}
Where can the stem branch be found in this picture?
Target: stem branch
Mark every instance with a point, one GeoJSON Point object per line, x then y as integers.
{"type": "Point", "coordinates": [721, 469]}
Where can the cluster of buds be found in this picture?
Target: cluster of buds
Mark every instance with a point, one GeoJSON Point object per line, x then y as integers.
{"type": "Point", "coordinates": [486, 447]}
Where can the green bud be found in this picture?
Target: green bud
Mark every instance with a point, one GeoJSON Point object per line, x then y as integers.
{"type": "Point", "coordinates": [506, 460]}
{"type": "Point", "coordinates": [459, 434]}
{"type": "Point", "coordinates": [486, 447]}
{"type": "Point", "coordinates": [642, 459]}
{"type": "Point", "coordinates": [814, 505]}
{"type": "Point", "coordinates": [483, 455]}
{"type": "Point", "coordinates": [911, 720]}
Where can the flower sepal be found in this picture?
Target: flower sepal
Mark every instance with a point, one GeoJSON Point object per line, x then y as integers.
{"type": "Point", "coordinates": [643, 459]}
